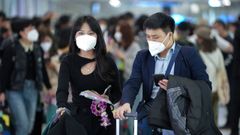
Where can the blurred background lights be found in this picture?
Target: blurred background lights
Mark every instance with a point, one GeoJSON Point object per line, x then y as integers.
{"type": "Point", "coordinates": [115, 3]}
{"type": "Point", "coordinates": [194, 8]}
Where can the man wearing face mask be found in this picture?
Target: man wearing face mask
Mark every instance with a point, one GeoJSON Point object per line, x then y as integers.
{"type": "Point", "coordinates": [22, 74]}
{"type": "Point", "coordinates": [163, 56]}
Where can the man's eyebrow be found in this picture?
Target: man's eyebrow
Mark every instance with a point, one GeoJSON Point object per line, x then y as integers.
{"type": "Point", "coordinates": [153, 35]}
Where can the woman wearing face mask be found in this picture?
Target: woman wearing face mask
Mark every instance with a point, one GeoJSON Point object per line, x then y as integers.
{"type": "Point", "coordinates": [88, 67]}
{"type": "Point", "coordinates": [46, 42]}
{"type": "Point", "coordinates": [125, 52]}
{"type": "Point", "coordinates": [128, 48]}
{"type": "Point", "coordinates": [52, 66]}
{"type": "Point", "coordinates": [22, 74]}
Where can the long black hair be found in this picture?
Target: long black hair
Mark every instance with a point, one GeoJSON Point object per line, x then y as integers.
{"type": "Point", "coordinates": [103, 67]}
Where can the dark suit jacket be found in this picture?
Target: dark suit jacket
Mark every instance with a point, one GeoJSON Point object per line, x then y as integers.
{"type": "Point", "coordinates": [187, 64]}
{"type": "Point", "coordinates": [236, 55]}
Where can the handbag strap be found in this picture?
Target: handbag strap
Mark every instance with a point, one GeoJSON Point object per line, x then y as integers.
{"type": "Point", "coordinates": [173, 58]}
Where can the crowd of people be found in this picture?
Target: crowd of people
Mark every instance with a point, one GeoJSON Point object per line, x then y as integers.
{"type": "Point", "coordinates": [45, 66]}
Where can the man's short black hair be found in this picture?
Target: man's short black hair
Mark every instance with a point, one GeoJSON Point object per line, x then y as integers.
{"type": "Point", "coordinates": [160, 20]}
{"type": "Point", "coordinates": [184, 26]}
{"type": "Point", "coordinates": [20, 24]}
{"type": "Point", "coordinates": [221, 22]}
{"type": "Point", "coordinates": [2, 15]}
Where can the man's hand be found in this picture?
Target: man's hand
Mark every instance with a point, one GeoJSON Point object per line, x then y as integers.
{"type": "Point", "coordinates": [2, 97]}
{"type": "Point", "coordinates": [163, 84]}
{"type": "Point", "coordinates": [119, 112]}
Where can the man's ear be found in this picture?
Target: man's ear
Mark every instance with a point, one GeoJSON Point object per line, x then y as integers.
{"type": "Point", "coordinates": [171, 36]}
{"type": "Point", "coordinates": [21, 33]}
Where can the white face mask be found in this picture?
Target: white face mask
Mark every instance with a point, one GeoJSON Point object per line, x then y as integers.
{"type": "Point", "coordinates": [156, 47]}
{"type": "Point", "coordinates": [46, 46]}
{"type": "Point", "coordinates": [118, 36]}
{"type": "Point", "coordinates": [103, 27]}
{"type": "Point", "coordinates": [33, 35]}
{"type": "Point", "coordinates": [86, 42]}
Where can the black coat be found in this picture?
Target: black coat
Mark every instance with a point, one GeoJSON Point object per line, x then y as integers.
{"type": "Point", "coordinates": [65, 125]}
{"type": "Point", "coordinates": [185, 108]}
{"type": "Point", "coordinates": [236, 55]}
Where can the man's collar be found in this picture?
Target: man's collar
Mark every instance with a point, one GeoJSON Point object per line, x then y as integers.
{"type": "Point", "coordinates": [171, 50]}
{"type": "Point", "coordinates": [26, 47]}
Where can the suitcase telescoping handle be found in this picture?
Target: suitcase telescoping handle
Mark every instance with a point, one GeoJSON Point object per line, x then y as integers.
{"type": "Point", "coordinates": [129, 115]}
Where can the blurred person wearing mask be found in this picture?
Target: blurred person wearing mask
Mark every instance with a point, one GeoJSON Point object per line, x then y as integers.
{"type": "Point", "coordinates": [22, 74]}
{"type": "Point", "coordinates": [88, 67]}
{"type": "Point", "coordinates": [103, 24]}
{"type": "Point", "coordinates": [126, 52]}
{"type": "Point", "coordinates": [47, 44]}
{"type": "Point", "coordinates": [127, 47]}
{"type": "Point", "coordinates": [159, 30]}
{"type": "Point", "coordinates": [213, 59]}
{"type": "Point", "coordinates": [104, 27]}
{"type": "Point", "coordinates": [221, 27]}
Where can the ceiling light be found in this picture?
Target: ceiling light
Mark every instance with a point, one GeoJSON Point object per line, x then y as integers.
{"type": "Point", "coordinates": [194, 8]}
{"type": "Point", "coordinates": [214, 3]}
{"type": "Point", "coordinates": [226, 2]}
{"type": "Point", "coordinates": [115, 3]}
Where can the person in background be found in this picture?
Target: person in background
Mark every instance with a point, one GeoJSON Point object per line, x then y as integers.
{"type": "Point", "coordinates": [236, 75]}
{"type": "Point", "coordinates": [126, 51]}
{"type": "Point", "coordinates": [103, 24]}
{"type": "Point", "coordinates": [183, 31]}
{"type": "Point", "coordinates": [63, 42]}
{"type": "Point", "coordinates": [47, 44]}
{"type": "Point", "coordinates": [22, 74]}
{"type": "Point", "coordinates": [127, 47]}
{"type": "Point", "coordinates": [5, 33]}
{"type": "Point", "coordinates": [62, 23]}
{"type": "Point", "coordinates": [213, 59]}
{"type": "Point", "coordinates": [7, 29]}
{"type": "Point", "coordinates": [232, 27]}
{"type": "Point", "coordinates": [223, 44]}
{"type": "Point", "coordinates": [88, 67]}
{"type": "Point", "coordinates": [104, 27]}
{"type": "Point", "coordinates": [2, 18]}
{"type": "Point", "coordinates": [221, 27]}
{"type": "Point", "coordinates": [128, 17]}
{"type": "Point", "coordinates": [62, 30]}
{"type": "Point", "coordinates": [139, 32]}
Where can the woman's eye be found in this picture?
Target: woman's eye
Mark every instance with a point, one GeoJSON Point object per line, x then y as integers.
{"type": "Point", "coordinates": [91, 33]}
{"type": "Point", "coordinates": [81, 33]}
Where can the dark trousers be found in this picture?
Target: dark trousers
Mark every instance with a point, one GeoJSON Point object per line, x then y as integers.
{"type": "Point", "coordinates": [236, 107]}
{"type": "Point", "coordinates": [230, 106]}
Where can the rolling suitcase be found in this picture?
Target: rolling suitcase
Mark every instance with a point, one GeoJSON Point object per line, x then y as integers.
{"type": "Point", "coordinates": [129, 115]}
